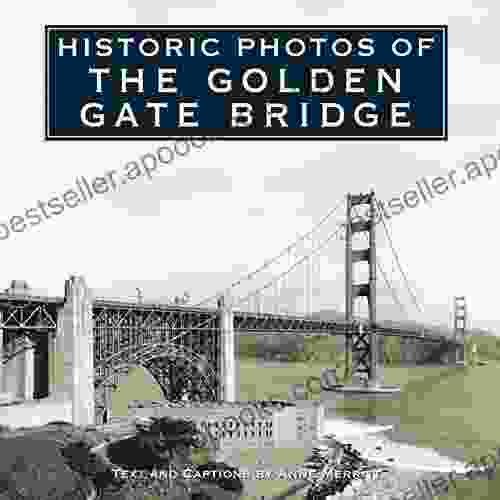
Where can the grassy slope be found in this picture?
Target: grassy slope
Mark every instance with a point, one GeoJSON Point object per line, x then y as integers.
{"type": "Point", "coordinates": [444, 408]}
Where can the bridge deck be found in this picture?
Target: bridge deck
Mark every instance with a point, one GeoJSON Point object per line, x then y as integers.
{"type": "Point", "coordinates": [244, 322]}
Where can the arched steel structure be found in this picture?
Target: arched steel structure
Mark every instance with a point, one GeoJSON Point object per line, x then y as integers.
{"type": "Point", "coordinates": [180, 373]}
{"type": "Point", "coordinates": [148, 356]}
{"type": "Point", "coordinates": [179, 347]}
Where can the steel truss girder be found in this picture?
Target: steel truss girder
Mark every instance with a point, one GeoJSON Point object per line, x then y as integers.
{"type": "Point", "coordinates": [255, 322]}
{"type": "Point", "coordinates": [156, 367]}
{"type": "Point", "coordinates": [147, 354]}
{"type": "Point", "coordinates": [21, 313]}
{"type": "Point", "coordinates": [27, 315]}
{"type": "Point", "coordinates": [24, 318]}
{"type": "Point", "coordinates": [179, 347]}
{"type": "Point", "coordinates": [118, 328]}
{"type": "Point", "coordinates": [247, 322]}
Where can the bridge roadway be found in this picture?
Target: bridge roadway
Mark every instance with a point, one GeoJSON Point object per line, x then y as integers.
{"type": "Point", "coordinates": [18, 314]}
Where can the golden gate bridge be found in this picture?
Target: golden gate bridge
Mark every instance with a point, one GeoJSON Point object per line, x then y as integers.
{"type": "Point", "coordinates": [193, 345]}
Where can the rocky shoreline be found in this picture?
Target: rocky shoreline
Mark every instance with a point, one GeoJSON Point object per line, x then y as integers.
{"type": "Point", "coordinates": [391, 482]}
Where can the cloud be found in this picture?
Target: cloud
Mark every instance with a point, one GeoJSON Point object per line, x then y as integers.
{"type": "Point", "coordinates": [256, 212]}
{"type": "Point", "coordinates": [153, 12]}
{"type": "Point", "coordinates": [143, 197]}
{"type": "Point", "coordinates": [477, 39]}
{"type": "Point", "coordinates": [318, 7]}
{"type": "Point", "coordinates": [477, 120]}
{"type": "Point", "coordinates": [378, 165]}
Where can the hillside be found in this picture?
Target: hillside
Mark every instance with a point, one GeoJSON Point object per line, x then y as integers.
{"type": "Point", "coordinates": [438, 329]}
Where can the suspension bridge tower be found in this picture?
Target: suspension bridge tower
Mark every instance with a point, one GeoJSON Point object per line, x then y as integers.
{"type": "Point", "coordinates": [361, 342]}
{"type": "Point", "coordinates": [361, 339]}
{"type": "Point", "coordinates": [460, 321]}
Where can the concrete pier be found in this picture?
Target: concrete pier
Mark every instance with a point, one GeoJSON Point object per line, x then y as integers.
{"type": "Point", "coordinates": [228, 354]}
{"type": "Point", "coordinates": [26, 372]}
{"type": "Point", "coordinates": [77, 342]}
{"type": "Point", "coordinates": [18, 372]}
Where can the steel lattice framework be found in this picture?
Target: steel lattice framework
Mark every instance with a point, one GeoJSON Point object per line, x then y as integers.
{"type": "Point", "coordinates": [24, 317]}
{"type": "Point", "coordinates": [30, 316]}
{"type": "Point", "coordinates": [179, 347]}
{"type": "Point", "coordinates": [361, 348]}
{"type": "Point", "coordinates": [269, 323]}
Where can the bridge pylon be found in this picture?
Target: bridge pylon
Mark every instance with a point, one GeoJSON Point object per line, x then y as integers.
{"type": "Point", "coordinates": [459, 326]}
{"type": "Point", "coordinates": [362, 341]}
{"type": "Point", "coordinates": [227, 361]}
{"type": "Point", "coordinates": [361, 338]}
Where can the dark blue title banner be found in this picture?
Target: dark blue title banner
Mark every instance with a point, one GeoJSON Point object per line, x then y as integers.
{"type": "Point", "coordinates": [313, 82]}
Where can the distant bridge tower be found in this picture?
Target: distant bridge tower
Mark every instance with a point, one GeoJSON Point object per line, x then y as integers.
{"type": "Point", "coordinates": [308, 279]}
{"type": "Point", "coordinates": [360, 341]}
{"type": "Point", "coordinates": [460, 320]}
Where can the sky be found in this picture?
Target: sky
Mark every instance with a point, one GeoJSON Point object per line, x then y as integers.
{"type": "Point", "coordinates": [222, 211]}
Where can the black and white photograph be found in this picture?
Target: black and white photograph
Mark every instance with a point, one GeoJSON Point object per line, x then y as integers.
{"type": "Point", "coordinates": [248, 250]}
